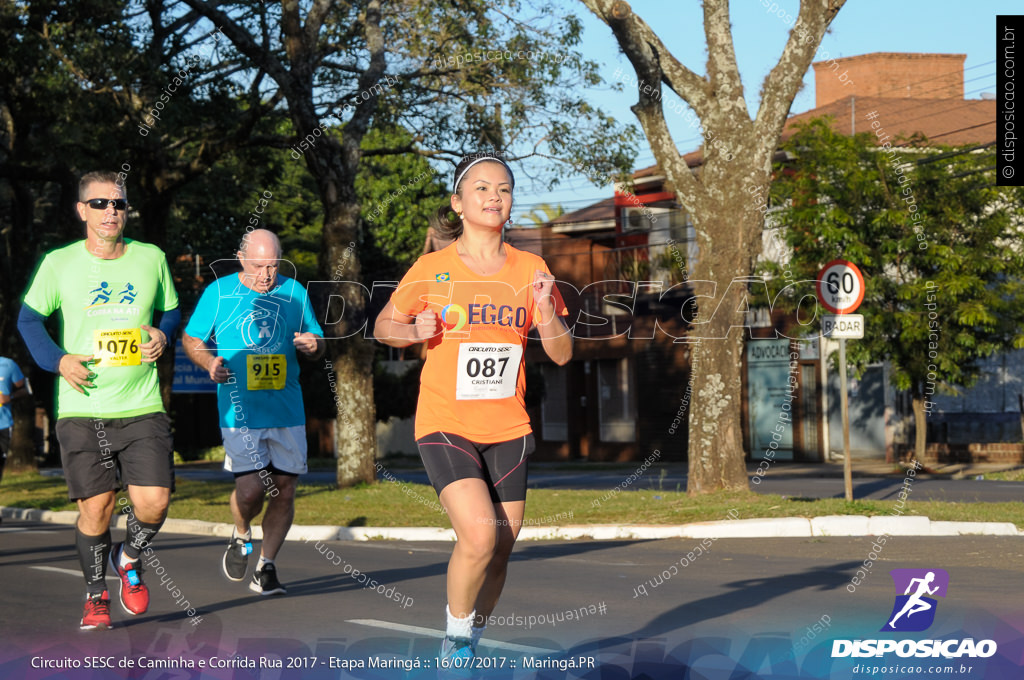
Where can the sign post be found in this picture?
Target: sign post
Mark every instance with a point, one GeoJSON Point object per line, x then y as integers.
{"type": "Point", "coordinates": [841, 290]}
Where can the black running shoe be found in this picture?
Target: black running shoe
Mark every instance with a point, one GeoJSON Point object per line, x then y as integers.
{"type": "Point", "coordinates": [236, 558]}
{"type": "Point", "coordinates": [264, 581]}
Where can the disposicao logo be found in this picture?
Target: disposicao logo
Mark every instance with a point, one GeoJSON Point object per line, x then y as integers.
{"type": "Point", "coordinates": [453, 317]}
{"type": "Point", "coordinates": [914, 611]}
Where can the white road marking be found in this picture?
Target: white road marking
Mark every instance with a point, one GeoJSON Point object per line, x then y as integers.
{"type": "Point", "coordinates": [69, 572]}
{"type": "Point", "coordinates": [433, 632]}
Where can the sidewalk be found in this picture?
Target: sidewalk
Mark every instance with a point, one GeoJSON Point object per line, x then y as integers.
{"type": "Point", "coordinates": [776, 527]}
{"type": "Point", "coordinates": [879, 468]}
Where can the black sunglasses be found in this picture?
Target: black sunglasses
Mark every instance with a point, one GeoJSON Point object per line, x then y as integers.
{"type": "Point", "coordinates": [102, 203]}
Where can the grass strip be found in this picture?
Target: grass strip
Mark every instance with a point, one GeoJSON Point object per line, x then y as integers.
{"type": "Point", "coordinates": [389, 504]}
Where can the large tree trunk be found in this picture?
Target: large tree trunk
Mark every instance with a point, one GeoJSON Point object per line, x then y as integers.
{"type": "Point", "coordinates": [920, 427]}
{"type": "Point", "coordinates": [716, 451]}
{"type": "Point", "coordinates": [355, 432]}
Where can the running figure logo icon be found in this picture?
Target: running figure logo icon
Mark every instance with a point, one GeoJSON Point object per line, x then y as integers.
{"type": "Point", "coordinates": [128, 294]}
{"type": "Point", "coordinates": [914, 609]}
{"type": "Point", "coordinates": [103, 294]}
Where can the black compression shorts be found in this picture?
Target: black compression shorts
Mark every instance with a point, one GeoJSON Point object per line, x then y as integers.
{"type": "Point", "coordinates": [449, 457]}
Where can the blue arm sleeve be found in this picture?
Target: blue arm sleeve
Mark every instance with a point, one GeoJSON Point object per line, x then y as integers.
{"type": "Point", "coordinates": [168, 323]}
{"type": "Point", "coordinates": [41, 346]}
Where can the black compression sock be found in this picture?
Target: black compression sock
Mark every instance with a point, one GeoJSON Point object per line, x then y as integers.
{"type": "Point", "coordinates": [93, 552]}
{"type": "Point", "coordinates": [140, 534]}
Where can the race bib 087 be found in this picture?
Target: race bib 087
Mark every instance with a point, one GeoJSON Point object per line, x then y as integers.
{"type": "Point", "coordinates": [487, 370]}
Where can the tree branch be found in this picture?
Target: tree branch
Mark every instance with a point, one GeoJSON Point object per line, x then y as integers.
{"type": "Point", "coordinates": [644, 49]}
{"type": "Point", "coordinates": [649, 57]}
{"type": "Point", "coordinates": [782, 83]}
{"type": "Point", "coordinates": [723, 73]}
{"type": "Point", "coordinates": [244, 43]}
{"type": "Point", "coordinates": [315, 21]}
{"type": "Point", "coordinates": [359, 123]}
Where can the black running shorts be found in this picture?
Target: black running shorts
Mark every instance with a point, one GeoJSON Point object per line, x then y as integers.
{"type": "Point", "coordinates": [95, 452]}
{"type": "Point", "coordinates": [449, 457]}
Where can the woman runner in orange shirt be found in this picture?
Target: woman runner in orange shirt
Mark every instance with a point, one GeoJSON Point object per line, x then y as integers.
{"type": "Point", "coordinates": [473, 303]}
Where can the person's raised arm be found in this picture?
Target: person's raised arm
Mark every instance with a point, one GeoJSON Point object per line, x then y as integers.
{"type": "Point", "coordinates": [310, 344]}
{"type": "Point", "coordinates": [396, 329]}
{"type": "Point", "coordinates": [554, 335]}
{"type": "Point", "coordinates": [205, 358]}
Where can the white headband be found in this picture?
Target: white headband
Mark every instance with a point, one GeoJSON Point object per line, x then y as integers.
{"type": "Point", "coordinates": [458, 178]}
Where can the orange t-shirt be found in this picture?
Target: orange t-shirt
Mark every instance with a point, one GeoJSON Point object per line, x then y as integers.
{"type": "Point", "coordinates": [473, 383]}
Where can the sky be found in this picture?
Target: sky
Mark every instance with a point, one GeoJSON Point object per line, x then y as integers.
{"type": "Point", "coordinates": [861, 27]}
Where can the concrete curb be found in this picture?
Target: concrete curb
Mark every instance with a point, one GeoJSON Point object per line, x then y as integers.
{"type": "Point", "coordinates": [779, 527]}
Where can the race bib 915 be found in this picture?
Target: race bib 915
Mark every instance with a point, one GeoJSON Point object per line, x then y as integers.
{"type": "Point", "coordinates": [488, 370]}
{"type": "Point", "coordinates": [266, 371]}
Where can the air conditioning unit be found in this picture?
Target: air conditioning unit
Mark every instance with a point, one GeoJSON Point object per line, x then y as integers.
{"type": "Point", "coordinates": [637, 218]}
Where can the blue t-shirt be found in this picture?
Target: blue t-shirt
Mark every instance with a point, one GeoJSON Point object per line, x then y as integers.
{"type": "Point", "coordinates": [254, 333]}
{"type": "Point", "coordinates": [9, 375]}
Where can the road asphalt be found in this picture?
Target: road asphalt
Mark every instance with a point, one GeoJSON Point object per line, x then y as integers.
{"type": "Point", "coordinates": [773, 599]}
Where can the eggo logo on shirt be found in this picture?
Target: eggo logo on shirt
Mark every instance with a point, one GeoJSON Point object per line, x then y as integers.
{"type": "Point", "coordinates": [497, 315]}
{"type": "Point", "coordinates": [454, 317]}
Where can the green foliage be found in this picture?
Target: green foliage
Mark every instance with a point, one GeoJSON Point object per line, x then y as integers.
{"type": "Point", "coordinates": [506, 75]}
{"type": "Point", "coordinates": [397, 195]}
{"type": "Point", "coordinates": [544, 213]}
{"type": "Point", "coordinates": [937, 241]}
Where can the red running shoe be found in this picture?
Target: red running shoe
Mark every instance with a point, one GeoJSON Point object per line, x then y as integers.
{"type": "Point", "coordinates": [134, 593]}
{"type": "Point", "coordinates": [97, 612]}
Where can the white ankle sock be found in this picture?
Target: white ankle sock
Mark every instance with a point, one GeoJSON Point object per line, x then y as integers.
{"type": "Point", "coordinates": [247, 536]}
{"type": "Point", "coordinates": [263, 561]}
{"type": "Point", "coordinates": [459, 628]}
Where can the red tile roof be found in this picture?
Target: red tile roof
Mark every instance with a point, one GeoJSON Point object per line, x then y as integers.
{"type": "Point", "coordinates": [602, 210]}
{"type": "Point", "coordinates": [950, 122]}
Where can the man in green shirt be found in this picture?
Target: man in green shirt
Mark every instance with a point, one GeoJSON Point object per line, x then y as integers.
{"type": "Point", "coordinates": [110, 416]}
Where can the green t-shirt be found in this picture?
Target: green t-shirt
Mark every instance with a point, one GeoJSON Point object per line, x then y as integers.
{"type": "Point", "coordinates": [102, 304]}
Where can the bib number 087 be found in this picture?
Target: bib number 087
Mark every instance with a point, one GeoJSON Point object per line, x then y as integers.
{"type": "Point", "coordinates": [486, 368]}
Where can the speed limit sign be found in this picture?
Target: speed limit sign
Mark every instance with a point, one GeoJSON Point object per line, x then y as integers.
{"type": "Point", "coordinates": [840, 287]}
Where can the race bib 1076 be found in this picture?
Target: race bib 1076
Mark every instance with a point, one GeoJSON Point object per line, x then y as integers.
{"type": "Point", "coordinates": [118, 346]}
{"type": "Point", "coordinates": [488, 370]}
